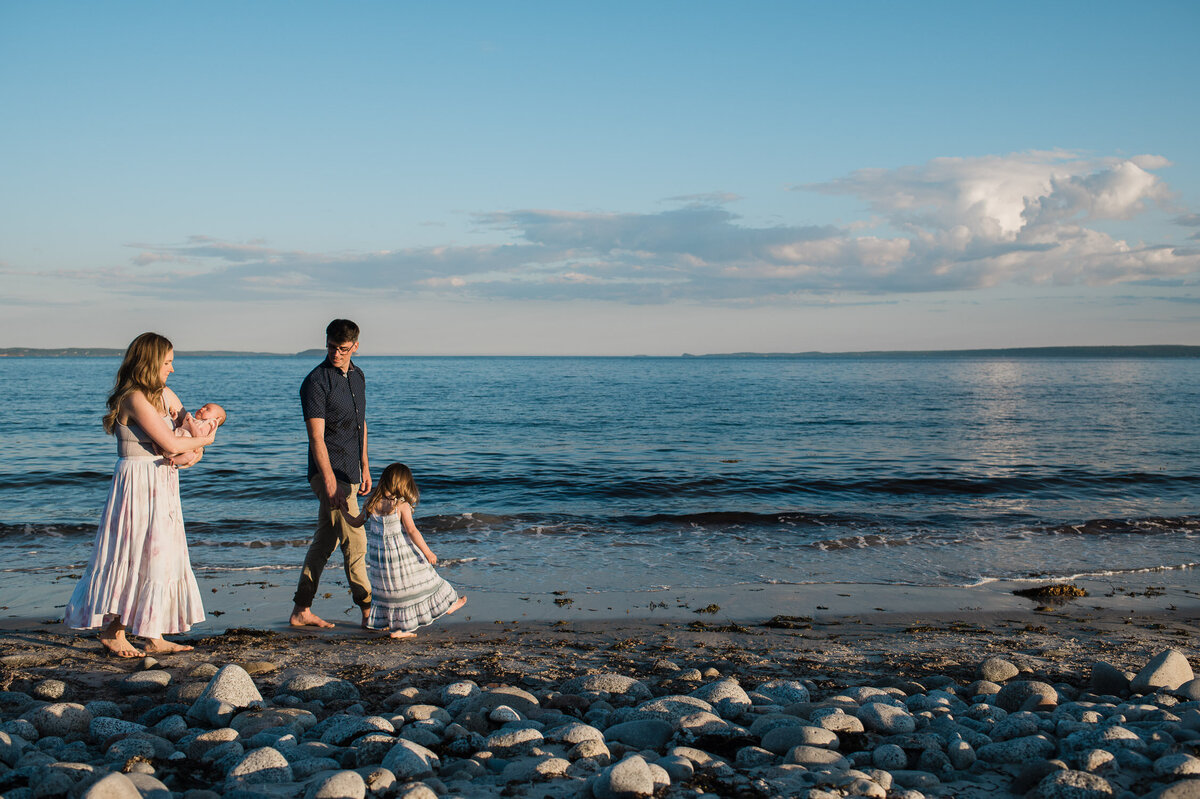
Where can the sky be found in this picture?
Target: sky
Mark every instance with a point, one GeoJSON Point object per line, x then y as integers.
{"type": "Point", "coordinates": [616, 178]}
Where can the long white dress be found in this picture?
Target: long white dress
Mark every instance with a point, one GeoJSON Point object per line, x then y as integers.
{"type": "Point", "coordinates": [139, 570]}
{"type": "Point", "coordinates": [406, 591]}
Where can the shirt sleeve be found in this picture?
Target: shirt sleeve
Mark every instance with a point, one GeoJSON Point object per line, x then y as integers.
{"type": "Point", "coordinates": [312, 398]}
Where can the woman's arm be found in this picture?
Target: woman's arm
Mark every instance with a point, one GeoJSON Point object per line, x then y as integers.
{"type": "Point", "coordinates": [185, 460]}
{"type": "Point", "coordinates": [136, 407]}
{"type": "Point", "coordinates": [414, 534]}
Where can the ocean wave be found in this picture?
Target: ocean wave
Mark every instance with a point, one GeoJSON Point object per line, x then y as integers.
{"type": "Point", "coordinates": [571, 484]}
{"type": "Point", "coordinates": [1149, 526]}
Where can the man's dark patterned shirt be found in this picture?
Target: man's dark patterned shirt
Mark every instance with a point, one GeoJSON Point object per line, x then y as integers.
{"type": "Point", "coordinates": [341, 400]}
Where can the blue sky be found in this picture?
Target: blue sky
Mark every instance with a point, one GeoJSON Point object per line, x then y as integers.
{"type": "Point", "coordinates": [616, 178]}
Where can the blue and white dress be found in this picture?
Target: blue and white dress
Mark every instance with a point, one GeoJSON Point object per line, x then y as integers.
{"type": "Point", "coordinates": [406, 591]}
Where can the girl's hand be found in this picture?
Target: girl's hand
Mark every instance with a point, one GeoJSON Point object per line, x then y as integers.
{"type": "Point", "coordinates": [432, 558]}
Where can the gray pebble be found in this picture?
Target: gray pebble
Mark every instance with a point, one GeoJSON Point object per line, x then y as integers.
{"type": "Point", "coordinates": [144, 682]}
{"type": "Point", "coordinates": [813, 757]}
{"type": "Point", "coordinates": [596, 751]}
{"type": "Point", "coordinates": [408, 760]}
{"type": "Point", "coordinates": [104, 707]}
{"type": "Point", "coordinates": [1017, 695]}
{"type": "Point", "coordinates": [1179, 764]}
{"type": "Point", "coordinates": [672, 708]}
{"type": "Point", "coordinates": [64, 719]}
{"type": "Point", "coordinates": [609, 683]}
{"type": "Point", "coordinates": [306, 767]}
{"type": "Point", "coordinates": [997, 670]}
{"type": "Point", "coordinates": [916, 779]}
{"type": "Point", "coordinates": [784, 692]}
{"type": "Point", "coordinates": [514, 743]}
{"type": "Point", "coordinates": [105, 727]}
{"type": "Point", "coordinates": [886, 719]}
{"type": "Point", "coordinates": [649, 733]}
{"type": "Point", "coordinates": [781, 739]}
{"type": "Point", "coordinates": [346, 728]}
{"type": "Point", "coordinates": [728, 699]}
{"type": "Point", "coordinates": [113, 786]}
{"type": "Point", "coordinates": [261, 766]}
{"type": "Point", "coordinates": [415, 790]}
{"type": "Point", "coordinates": [889, 757]}
{"type": "Point", "coordinates": [1169, 669]}
{"type": "Point", "coordinates": [1071, 784]}
{"type": "Point", "coordinates": [1017, 750]}
{"type": "Point", "coordinates": [321, 687]}
{"type": "Point", "coordinates": [172, 727]}
{"type": "Point", "coordinates": [233, 686]}
{"type": "Point", "coordinates": [50, 690]}
{"type": "Point", "coordinates": [127, 748]}
{"type": "Point", "coordinates": [962, 755]}
{"type": "Point", "coordinates": [631, 777]}
{"type": "Point", "coordinates": [205, 741]}
{"type": "Point", "coordinates": [341, 785]}
{"type": "Point", "coordinates": [372, 748]}
{"type": "Point", "coordinates": [573, 733]}
{"type": "Point", "coordinates": [148, 786]}
{"type": "Point", "coordinates": [203, 671]}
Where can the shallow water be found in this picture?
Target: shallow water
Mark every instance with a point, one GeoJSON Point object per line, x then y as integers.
{"type": "Point", "coordinates": [542, 474]}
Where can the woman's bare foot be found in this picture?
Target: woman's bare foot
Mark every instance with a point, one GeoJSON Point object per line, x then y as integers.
{"type": "Point", "coordinates": [113, 639]}
{"type": "Point", "coordinates": [161, 646]}
{"type": "Point", "coordinates": [304, 617]}
{"type": "Point", "coordinates": [401, 634]}
{"type": "Point", "coordinates": [462, 600]}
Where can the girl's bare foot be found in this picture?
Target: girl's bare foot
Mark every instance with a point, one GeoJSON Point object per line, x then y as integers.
{"type": "Point", "coordinates": [113, 639]}
{"type": "Point", "coordinates": [161, 646]}
{"type": "Point", "coordinates": [304, 617]}
{"type": "Point", "coordinates": [462, 600]}
{"type": "Point", "coordinates": [401, 634]}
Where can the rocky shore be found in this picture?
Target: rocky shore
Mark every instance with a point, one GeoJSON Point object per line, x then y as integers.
{"type": "Point", "coordinates": [901, 711]}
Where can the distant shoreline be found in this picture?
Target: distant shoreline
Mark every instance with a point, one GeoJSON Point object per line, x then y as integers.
{"type": "Point", "coordinates": [1131, 351]}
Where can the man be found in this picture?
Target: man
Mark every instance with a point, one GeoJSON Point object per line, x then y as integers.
{"type": "Point", "coordinates": [333, 398]}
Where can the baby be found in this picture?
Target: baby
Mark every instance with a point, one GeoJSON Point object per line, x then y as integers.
{"type": "Point", "coordinates": [207, 419]}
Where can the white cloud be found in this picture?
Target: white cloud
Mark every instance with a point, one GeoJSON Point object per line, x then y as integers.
{"type": "Point", "coordinates": [950, 224]}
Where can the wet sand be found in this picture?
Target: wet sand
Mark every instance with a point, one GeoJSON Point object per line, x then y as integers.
{"type": "Point", "coordinates": [843, 633]}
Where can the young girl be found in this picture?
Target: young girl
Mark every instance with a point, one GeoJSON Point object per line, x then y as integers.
{"type": "Point", "coordinates": [406, 592]}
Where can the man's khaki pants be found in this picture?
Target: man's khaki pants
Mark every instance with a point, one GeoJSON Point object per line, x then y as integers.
{"type": "Point", "coordinates": [332, 531]}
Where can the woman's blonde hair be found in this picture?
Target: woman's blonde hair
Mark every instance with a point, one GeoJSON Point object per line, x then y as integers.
{"type": "Point", "coordinates": [395, 483]}
{"type": "Point", "coordinates": [140, 371]}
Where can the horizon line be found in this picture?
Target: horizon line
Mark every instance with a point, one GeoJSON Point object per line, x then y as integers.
{"type": "Point", "coordinates": [1148, 350]}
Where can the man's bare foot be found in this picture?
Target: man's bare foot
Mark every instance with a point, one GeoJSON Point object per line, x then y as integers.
{"type": "Point", "coordinates": [161, 646]}
{"type": "Point", "coordinates": [113, 639]}
{"type": "Point", "coordinates": [366, 615]}
{"type": "Point", "coordinates": [304, 617]}
{"type": "Point", "coordinates": [462, 600]}
{"type": "Point", "coordinates": [401, 634]}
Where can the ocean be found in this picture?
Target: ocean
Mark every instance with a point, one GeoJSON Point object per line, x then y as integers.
{"type": "Point", "coordinates": [611, 474]}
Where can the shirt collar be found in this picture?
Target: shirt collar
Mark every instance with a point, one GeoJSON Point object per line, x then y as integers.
{"type": "Point", "coordinates": [349, 369]}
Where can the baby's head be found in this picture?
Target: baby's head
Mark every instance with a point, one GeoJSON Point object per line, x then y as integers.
{"type": "Point", "coordinates": [211, 410]}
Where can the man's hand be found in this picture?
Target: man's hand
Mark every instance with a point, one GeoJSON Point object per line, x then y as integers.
{"type": "Point", "coordinates": [337, 494]}
{"type": "Point", "coordinates": [364, 487]}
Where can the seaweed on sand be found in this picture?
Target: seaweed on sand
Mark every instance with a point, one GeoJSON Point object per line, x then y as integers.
{"type": "Point", "coordinates": [1061, 592]}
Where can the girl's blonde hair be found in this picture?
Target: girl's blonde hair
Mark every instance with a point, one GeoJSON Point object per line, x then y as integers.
{"type": "Point", "coordinates": [395, 483]}
{"type": "Point", "coordinates": [140, 371]}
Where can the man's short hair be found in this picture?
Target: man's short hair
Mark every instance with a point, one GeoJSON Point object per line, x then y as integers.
{"type": "Point", "coordinates": [341, 331]}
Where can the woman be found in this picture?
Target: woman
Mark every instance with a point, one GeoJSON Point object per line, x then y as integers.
{"type": "Point", "coordinates": [139, 578]}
